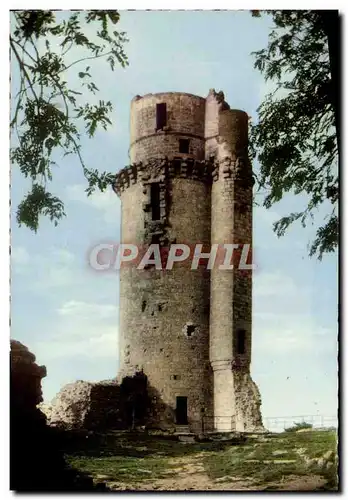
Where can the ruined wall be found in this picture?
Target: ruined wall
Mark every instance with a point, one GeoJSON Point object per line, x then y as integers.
{"type": "Point", "coordinates": [102, 405]}
{"type": "Point", "coordinates": [248, 403]}
{"type": "Point", "coordinates": [215, 103]}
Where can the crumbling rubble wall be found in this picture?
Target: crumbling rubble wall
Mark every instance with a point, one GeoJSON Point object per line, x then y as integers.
{"type": "Point", "coordinates": [248, 403]}
{"type": "Point", "coordinates": [102, 405]}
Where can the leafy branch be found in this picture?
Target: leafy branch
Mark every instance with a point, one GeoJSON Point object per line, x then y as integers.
{"type": "Point", "coordinates": [296, 137]}
{"type": "Point", "coordinates": [43, 129]}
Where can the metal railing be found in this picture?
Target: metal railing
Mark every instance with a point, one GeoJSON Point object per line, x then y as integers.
{"type": "Point", "coordinates": [279, 424]}
{"type": "Point", "coordinates": [222, 423]}
{"type": "Point", "coordinates": [272, 424]}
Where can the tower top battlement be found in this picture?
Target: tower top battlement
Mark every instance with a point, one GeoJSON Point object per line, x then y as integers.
{"type": "Point", "coordinates": [161, 94]}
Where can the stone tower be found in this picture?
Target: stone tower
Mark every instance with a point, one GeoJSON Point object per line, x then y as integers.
{"type": "Point", "coordinates": [189, 182]}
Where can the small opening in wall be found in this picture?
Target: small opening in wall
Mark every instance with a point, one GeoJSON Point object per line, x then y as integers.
{"type": "Point", "coordinates": [143, 305]}
{"type": "Point", "coordinates": [184, 146]}
{"type": "Point", "coordinates": [190, 330]}
{"type": "Point", "coordinates": [175, 377]}
{"type": "Point", "coordinates": [161, 115]}
{"type": "Point", "coordinates": [155, 239]}
{"type": "Point", "coordinates": [160, 307]}
{"type": "Point", "coordinates": [241, 334]}
{"type": "Point", "coordinates": [155, 201]}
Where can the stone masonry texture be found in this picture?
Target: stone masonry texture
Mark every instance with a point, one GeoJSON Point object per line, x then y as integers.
{"type": "Point", "coordinates": [181, 326]}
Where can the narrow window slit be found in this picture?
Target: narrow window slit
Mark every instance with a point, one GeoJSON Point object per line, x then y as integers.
{"type": "Point", "coordinates": [241, 334]}
{"type": "Point", "coordinates": [161, 115]}
{"type": "Point", "coordinates": [155, 201]}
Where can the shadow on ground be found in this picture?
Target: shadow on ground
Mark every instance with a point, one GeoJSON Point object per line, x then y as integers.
{"type": "Point", "coordinates": [136, 444]}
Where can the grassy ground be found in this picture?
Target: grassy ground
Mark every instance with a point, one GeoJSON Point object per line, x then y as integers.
{"type": "Point", "coordinates": [266, 462]}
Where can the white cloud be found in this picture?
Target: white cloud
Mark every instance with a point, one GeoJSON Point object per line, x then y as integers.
{"type": "Point", "coordinates": [19, 258]}
{"type": "Point", "coordinates": [105, 202]}
{"type": "Point", "coordinates": [283, 319]}
{"type": "Point", "coordinates": [87, 310]}
{"type": "Point", "coordinates": [93, 341]}
{"type": "Point", "coordinates": [62, 256]}
{"type": "Point", "coordinates": [82, 329]}
{"type": "Point", "coordinates": [285, 335]}
{"type": "Point", "coordinates": [54, 268]}
{"type": "Point", "coordinates": [265, 215]}
{"type": "Point", "coordinates": [274, 284]}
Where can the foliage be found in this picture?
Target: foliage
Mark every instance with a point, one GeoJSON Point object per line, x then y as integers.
{"type": "Point", "coordinates": [48, 114]}
{"type": "Point", "coordinates": [298, 426]}
{"type": "Point", "coordinates": [295, 139]}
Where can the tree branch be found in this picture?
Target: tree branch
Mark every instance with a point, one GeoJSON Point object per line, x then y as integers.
{"type": "Point", "coordinates": [85, 59]}
{"type": "Point", "coordinates": [23, 69]}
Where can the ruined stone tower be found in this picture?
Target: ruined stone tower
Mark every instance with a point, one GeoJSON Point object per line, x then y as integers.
{"type": "Point", "coordinates": [189, 181]}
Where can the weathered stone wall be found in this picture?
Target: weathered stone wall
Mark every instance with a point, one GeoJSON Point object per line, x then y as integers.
{"type": "Point", "coordinates": [102, 405]}
{"type": "Point", "coordinates": [169, 142]}
{"type": "Point", "coordinates": [185, 120]}
{"type": "Point", "coordinates": [70, 406]}
{"type": "Point", "coordinates": [156, 306]}
{"type": "Point", "coordinates": [231, 290]}
{"type": "Point", "coordinates": [215, 103]}
{"type": "Point", "coordinates": [248, 403]}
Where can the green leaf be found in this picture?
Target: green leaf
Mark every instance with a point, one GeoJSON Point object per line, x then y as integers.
{"type": "Point", "coordinates": [295, 137]}
{"type": "Point", "coordinates": [48, 118]}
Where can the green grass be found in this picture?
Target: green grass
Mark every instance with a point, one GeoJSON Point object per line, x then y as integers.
{"type": "Point", "coordinates": [235, 461]}
{"type": "Point", "coordinates": [120, 468]}
{"type": "Point", "coordinates": [130, 459]}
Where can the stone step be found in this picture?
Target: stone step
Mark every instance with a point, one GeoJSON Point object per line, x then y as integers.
{"type": "Point", "coordinates": [182, 429]}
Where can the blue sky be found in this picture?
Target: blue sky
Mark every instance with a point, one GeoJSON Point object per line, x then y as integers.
{"type": "Point", "coordinates": [67, 314]}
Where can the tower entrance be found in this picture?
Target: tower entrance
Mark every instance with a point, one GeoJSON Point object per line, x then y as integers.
{"type": "Point", "coordinates": [181, 410]}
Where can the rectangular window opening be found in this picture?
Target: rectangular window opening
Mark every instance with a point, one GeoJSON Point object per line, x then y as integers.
{"type": "Point", "coordinates": [184, 146]}
{"type": "Point", "coordinates": [161, 115]}
{"type": "Point", "coordinates": [155, 201]}
{"type": "Point", "coordinates": [241, 334]}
